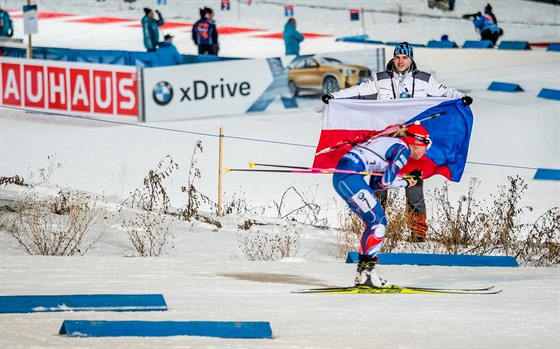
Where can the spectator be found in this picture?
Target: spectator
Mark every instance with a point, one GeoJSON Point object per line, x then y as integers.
{"type": "Point", "coordinates": [150, 29]}
{"type": "Point", "coordinates": [402, 79]}
{"type": "Point", "coordinates": [292, 37]}
{"type": "Point", "coordinates": [6, 26]}
{"type": "Point", "coordinates": [167, 52]}
{"type": "Point", "coordinates": [487, 25]}
{"type": "Point", "coordinates": [205, 33]}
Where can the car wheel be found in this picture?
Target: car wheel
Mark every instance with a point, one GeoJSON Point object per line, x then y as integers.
{"type": "Point", "coordinates": [330, 84]}
{"type": "Point", "coordinates": [294, 92]}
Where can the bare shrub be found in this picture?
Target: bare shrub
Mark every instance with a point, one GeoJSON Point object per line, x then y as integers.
{"type": "Point", "coordinates": [58, 226]}
{"type": "Point", "coordinates": [273, 245]}
{"type": "Point", "coordinates": [542, 245]}
{"type": "Point", "coordinates": [154, 194]}
{"type": "Point", "coordinates": [194, 197]}
{"type": "Point", "coordinates": [349, 234]}
{"type": "Point", "coordinates": [306, 213]}
{"type": "Point", "coordinates": [44, 173]}
{"type": "Point", "coordinates": [148, 232]}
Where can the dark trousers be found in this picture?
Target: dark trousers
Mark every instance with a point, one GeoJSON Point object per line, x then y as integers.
{"type": "Point", "coordinates": [208, 49]}
{"type": "Point", "coordinates": [415, 205]}
{"type": "Point", "coordinates": [492, 36]}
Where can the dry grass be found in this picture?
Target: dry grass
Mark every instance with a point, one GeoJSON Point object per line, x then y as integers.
{"type": "Point", "coordinates": [64, 225]}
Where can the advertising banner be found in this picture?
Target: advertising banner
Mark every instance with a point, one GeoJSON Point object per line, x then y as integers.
{"type": "Point", "coordinates": [206, 89]}
{"type": "Point", "coordinates": [71, 88]}
{"type": "Point", "coordinates": [243, 86]}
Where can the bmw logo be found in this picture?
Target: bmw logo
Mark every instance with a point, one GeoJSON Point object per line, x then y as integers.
{"type": "Point", "coordinates": [162, 93]}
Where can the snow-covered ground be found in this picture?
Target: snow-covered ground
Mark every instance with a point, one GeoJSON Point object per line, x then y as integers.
{"type": "Point", "coordinates": [205, 275]}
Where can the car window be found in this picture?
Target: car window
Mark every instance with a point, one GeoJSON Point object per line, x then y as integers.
{"type": "Point", "coordinates": [329, 61]}
{"type": "Point", "coordinates": [312, 63]}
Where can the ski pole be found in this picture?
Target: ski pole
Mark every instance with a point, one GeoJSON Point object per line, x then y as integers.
{"type": "Point", "coordinates": [307, 171]}
{"type": "Point", "coordinates": [314, 169]}
{"type": "Point", "coordinates": [253, 164]}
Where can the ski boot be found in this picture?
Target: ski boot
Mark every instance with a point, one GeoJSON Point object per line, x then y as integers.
{"type": "Point", "coordinates": [366, 274]}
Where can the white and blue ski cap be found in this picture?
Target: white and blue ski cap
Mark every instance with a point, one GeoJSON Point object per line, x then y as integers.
{"type": "Point", "coordinates": [404, 48]}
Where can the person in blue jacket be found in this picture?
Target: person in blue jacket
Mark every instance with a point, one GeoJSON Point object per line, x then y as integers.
{"type": "Point", "coordinates": [205, 33]}
{"type": "Point", "coordinates": [487, 25]}
{"type": "Point", "coordinates": [6, 26]}
{"type": "Point", "coordinates": [167, 52]}
{"type": "Point", "coordinates": [292, 37]}
{"type": "Point", "coordinates": [150, 29]}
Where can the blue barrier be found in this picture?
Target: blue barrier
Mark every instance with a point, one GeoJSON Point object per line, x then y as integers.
{"type": "Point", "coordinates": [549, 94]}
{"type": "Point", "coordinates": [504, 87]}
{"type": "Point", "coordinates": [441, 44]}
{"type": "Point", "coordinates": [478, 44]}
{"type": "Point", "coordinates": [363, 39]}
{"type": "Point", "coordinates": [514, 45]}
{"type": "Point", "coordinates": [87, 302]}
{"type": "Point", "coordinates": [129, 58]}
{"type": "Point", "coordinates": [85, 328]}
{"type": "Point", "coordinates": [553, 47]}
{"type": "Point", "coordinates": [439, 259]}
{"type": "Point", "coordinates": [411, 44]}
{"type": "Point", "coordinates": [547, 174]}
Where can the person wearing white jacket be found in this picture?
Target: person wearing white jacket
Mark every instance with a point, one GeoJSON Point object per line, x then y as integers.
{"type": "Point", "coordinates": [402, 79]}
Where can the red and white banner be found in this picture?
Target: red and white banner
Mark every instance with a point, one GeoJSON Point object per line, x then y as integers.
{"type": "Point", "coordinates": [67, 87]}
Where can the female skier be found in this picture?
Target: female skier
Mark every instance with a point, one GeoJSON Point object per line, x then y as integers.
{"type": "Point", "coordinates": [386, 156]}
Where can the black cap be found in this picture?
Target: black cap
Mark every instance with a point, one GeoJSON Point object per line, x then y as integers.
{"type": "Point", "coordinates": [167, 36]}
{"type": "Point", "coordinates": [147, 10]}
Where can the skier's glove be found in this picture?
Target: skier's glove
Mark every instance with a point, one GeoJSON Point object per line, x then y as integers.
{"type": "Point", "coordinates": [410, 181]}
{"type": "Point", "coordinates": [325, 98]}
{"type": "Point", "coordinates": [416, 174]}
{"type": "Point", "coordinates": [412, 178]}
{"type": "Point", "coordinates": [467, 100]}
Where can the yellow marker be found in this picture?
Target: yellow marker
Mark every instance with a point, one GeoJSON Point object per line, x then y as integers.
{"type": "Point", "coordinates": [251, 164]}
{"type": "Point", "coordinates": [226, 169]}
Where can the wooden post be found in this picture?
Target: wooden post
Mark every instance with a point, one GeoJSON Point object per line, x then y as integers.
{"type": "Point", "coordinates": [220, 152]}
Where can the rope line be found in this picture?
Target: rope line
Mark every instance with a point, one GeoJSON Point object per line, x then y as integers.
{"type": "Point", "coordinates": [237, 137]}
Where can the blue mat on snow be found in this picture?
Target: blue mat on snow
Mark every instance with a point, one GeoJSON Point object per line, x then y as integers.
{"type": "Point", "coordinates": [549, 94]}
{"type": "Point", "coordinates": [439, 259]}
{"type": "Point", "coordinates": [547, 174]}
{"type": "Point", "coordinates": [364, 39]}
{"type": "Point", "coordinates": [86, 302]}
{"type": "Point", "coordinates": [478, 44]}
{"type": "Point", "coordinates": [85, 328]}
{"type": "Point", "coordinates": [504, 87]}
{"type": "Point", "coordinates": [441, 44]}
{"type": "Point", "coordinates": [514, 45]}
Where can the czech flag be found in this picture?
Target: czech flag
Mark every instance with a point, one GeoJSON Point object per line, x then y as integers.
{"type": "Point", "coordinates": [448, 121]}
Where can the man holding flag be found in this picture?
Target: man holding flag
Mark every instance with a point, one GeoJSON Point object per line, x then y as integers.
{"type": "Point", "coordinates": [402, 80]}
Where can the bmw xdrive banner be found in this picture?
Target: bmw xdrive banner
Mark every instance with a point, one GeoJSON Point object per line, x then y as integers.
{"type": "Point", "coordinates": [206, 89]}
{"type": "Point", "coordinates": [243, 86]}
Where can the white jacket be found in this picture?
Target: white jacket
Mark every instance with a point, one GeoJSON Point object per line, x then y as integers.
{"type": "Point", "coordinates": [390, 84]}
